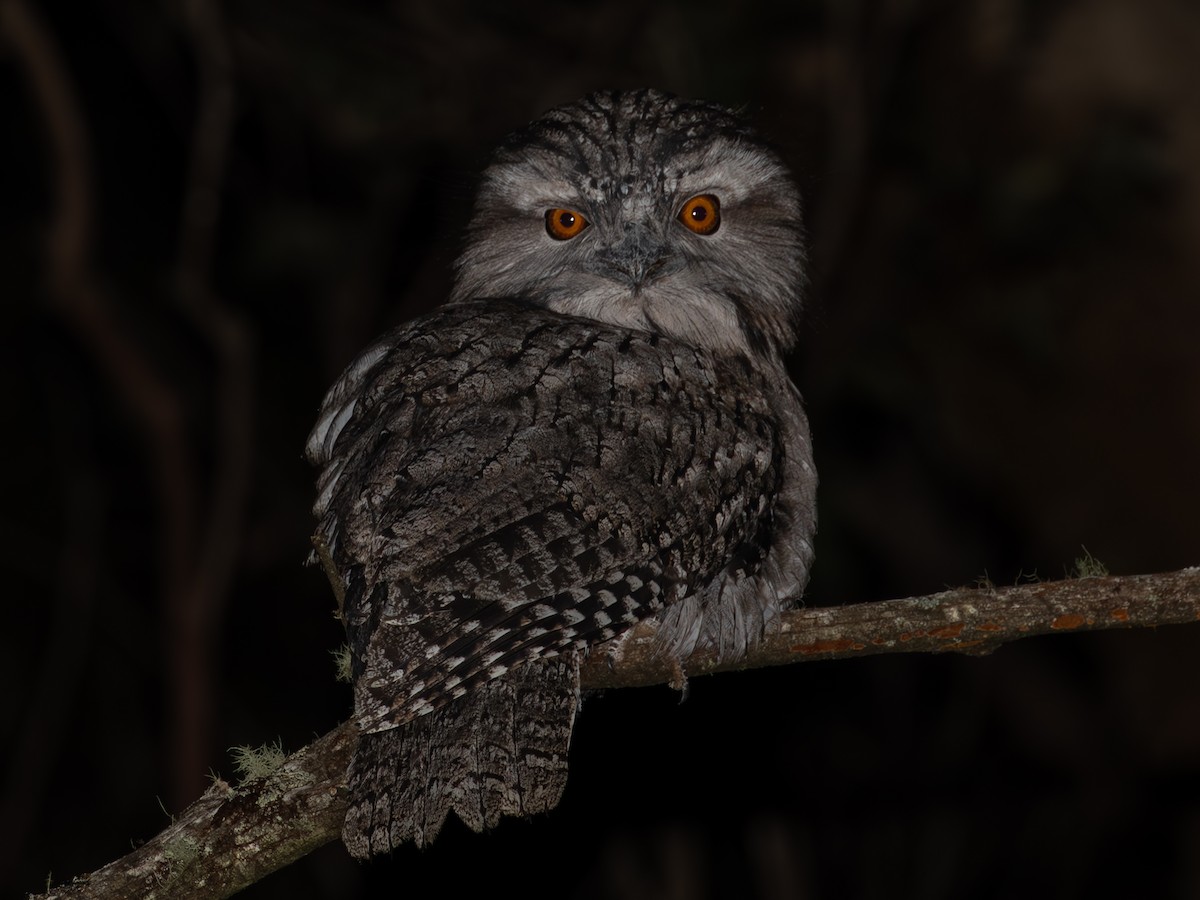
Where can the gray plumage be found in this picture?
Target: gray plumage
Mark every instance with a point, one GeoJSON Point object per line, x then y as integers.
{"type": "Point", "coordinates": [596, 429]}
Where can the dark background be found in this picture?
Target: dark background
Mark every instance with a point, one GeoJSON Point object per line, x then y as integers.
{"type": "Point", "coordinates": [999, 358]}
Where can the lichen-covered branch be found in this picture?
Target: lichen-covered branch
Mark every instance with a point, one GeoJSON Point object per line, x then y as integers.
{"type": "Point", "coordinates": [973, 620]}
{"type": "Point", "coordinates": [234, 836]}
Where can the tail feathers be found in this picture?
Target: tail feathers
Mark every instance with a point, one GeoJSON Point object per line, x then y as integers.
{"type": "Point", "coordinates": [499, 751]}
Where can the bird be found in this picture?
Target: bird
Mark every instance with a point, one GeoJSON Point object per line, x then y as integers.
{"type": "Point", "coordinates": [597, 428]}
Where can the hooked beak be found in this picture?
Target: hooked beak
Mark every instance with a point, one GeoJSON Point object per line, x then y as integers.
{"type": "Point", "coordinates": [637, 258]}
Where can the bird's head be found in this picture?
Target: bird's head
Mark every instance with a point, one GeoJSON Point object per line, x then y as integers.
{"type": "Point", "coordinates": [646, 211]}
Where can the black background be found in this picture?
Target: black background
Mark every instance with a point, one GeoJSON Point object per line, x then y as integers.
{"type": "Point", "coordinates": [999, 359]}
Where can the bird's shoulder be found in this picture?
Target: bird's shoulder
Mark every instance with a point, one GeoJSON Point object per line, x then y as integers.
{"type": "Point", "coordinates": [539, 480]}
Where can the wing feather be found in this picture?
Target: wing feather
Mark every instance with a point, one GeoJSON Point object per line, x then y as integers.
{"type": "Point", "coordinates": [509, 483]}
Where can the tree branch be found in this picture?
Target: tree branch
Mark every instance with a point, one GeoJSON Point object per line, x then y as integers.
{"type": "Point", "coordinates": [82, 298]}
{"type": "Point", "coordinates": [192, 622]}
{"type": "Point", "coordinates": [233, 837]}
{"type": "Point", "coordinates": [201, 524]}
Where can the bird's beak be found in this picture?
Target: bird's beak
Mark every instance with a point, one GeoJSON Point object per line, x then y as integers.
{"type": "Point", "coordinates": [636, 258]}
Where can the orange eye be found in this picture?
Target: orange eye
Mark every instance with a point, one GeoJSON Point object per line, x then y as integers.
{"type": "Point", "coordinates": [702, 214]}
{"type": "Point", "coordinates": [564, 224]}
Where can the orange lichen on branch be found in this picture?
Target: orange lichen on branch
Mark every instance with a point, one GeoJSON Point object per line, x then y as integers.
{"type": "Point", "coordinates": [947, 631]}
{"type": "Point", "coordinates": [1068, 622]}
{"type": "Point", "coordinates": [952, 630]}
{"type": "Point", "coordinates": [840, 645]}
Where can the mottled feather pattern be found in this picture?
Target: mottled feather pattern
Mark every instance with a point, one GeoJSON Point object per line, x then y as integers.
{"type": "Point", "coordinates": [498, 531]}
{"type": "Point", "coordinates": [591, 433]}
{"type": "Point", "coordinates": [499, 752]}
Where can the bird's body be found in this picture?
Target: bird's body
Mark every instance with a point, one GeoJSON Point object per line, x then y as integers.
{"type": "Point", "coordinates": [595, 430]}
